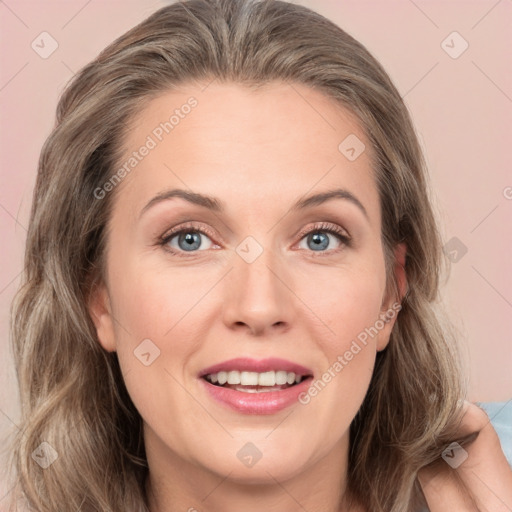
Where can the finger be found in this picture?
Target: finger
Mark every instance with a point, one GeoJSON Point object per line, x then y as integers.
{"type": "Point", "coordinates": [476, 476]}
{"type": "Point", "coordinates": [487, 473]}
{"type": "Point", "coordinates": [444, 491]}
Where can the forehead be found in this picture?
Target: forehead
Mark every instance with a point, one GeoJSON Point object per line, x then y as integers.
{"type": "Point", "coordinates": [275, 144]}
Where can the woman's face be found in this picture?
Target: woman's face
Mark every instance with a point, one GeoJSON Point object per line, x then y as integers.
{"type": "Point", "coordinates": [270, 281]}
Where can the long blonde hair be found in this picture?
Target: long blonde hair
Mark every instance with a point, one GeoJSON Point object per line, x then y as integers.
{"type": "Point", "coordinates": [72, 391]}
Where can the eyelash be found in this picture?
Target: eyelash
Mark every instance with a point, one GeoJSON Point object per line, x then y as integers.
{"type": "Point", "coordinates": [323, 227]}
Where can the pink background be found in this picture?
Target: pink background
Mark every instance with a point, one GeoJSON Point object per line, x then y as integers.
{"type": "Point", "coordinates": [461, 107]}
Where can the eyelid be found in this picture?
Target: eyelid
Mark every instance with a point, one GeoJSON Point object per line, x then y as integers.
{"type": "Point", "coordinates": [328, 227]}
{"type": "Point", "coordinates": [203, 229]}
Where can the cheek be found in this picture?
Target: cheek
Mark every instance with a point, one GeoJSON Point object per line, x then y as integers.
{"type": "Point", "coordinates": [156, 334]}
{"type": "Point", "coordinates": [155, 321]}
{"type": "Point", "coordinates": [347, 300]}
{"type": "Point", "coordinates": [154, 303]}
{"type": "Point", "coordinates": [350, 307]}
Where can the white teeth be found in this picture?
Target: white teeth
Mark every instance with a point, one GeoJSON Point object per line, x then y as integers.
{"type": "Point", "coordinates": [234, 377]}
{"type": "Point", "coordinates": [281, 378]}
{"type": "Point", "coordinates": [267, 379]}
{"type": "Point", "coordinates": [249, 378]}
{"type": "Point", "coordinates": [252, 390]}
{"type": "Point", "coordinates": [270, 379]}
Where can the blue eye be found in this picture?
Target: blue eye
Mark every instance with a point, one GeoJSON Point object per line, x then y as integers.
{"type": "Point", "coordinates": [318, 240]}
{"type": "Point", "coordinates": [187, 240]}
{"type": "Point", "coordinates": [190, 238]}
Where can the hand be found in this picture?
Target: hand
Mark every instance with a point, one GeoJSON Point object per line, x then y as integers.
{"type": "Point", "coordinates": [481, 483]}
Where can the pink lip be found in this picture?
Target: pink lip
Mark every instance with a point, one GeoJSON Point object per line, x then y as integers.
{"type": "Point", "coordinates": [253, 365]}
{"type": "Point", "coordinates": [268, 402]}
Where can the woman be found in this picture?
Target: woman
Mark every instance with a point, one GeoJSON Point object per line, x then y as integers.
{"type": "Point", "coordinates": [231, 274]}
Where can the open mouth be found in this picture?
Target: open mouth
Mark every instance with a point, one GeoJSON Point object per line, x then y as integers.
{"type": "Point", "coordinates": [256, 386]}
{"type": "Point", "coordinates": [255, 382]}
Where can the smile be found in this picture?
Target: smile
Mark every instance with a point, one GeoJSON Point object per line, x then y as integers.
{"type": "Point", "coordinates": [256, 387]}
{"type": "Point", "coordinates": [253, 382]}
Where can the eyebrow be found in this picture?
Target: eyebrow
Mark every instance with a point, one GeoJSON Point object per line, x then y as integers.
{"type": "Point", "coordinates": [216, 205]}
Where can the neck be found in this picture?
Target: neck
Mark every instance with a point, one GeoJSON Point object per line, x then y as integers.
{"type": "Point", "coordinates": [177, 485]}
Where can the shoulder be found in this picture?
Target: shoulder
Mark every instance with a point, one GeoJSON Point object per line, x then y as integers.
{"type": "Point", "coordinates": [500, 416]}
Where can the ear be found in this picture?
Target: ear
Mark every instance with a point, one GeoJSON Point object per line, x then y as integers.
{"type": "Point", "coordinates": [393, 302]}
{"type": "Point", "coordinates": [100, 311]}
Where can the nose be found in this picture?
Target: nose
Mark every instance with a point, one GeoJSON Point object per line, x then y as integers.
{"type": "Point", "coordinates": [258, 296]}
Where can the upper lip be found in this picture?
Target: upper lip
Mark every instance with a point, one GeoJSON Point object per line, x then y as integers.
{"type": "Point", "coordinates": [256, 365]}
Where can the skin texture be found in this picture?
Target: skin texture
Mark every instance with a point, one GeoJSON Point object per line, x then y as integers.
{"type": "Point", "coordinates": [257, 152]}
{"type": "Point", "coordinates": [483, 480]}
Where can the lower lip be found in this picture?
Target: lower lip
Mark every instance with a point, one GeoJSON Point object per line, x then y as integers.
{"type": "Point", "coordinates": [266, 402]}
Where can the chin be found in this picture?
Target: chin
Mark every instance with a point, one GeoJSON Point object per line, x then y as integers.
{"type": "Point", "coordinates": [259, 462]}
{"type": "Point", "coordinates": [263, 472]}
